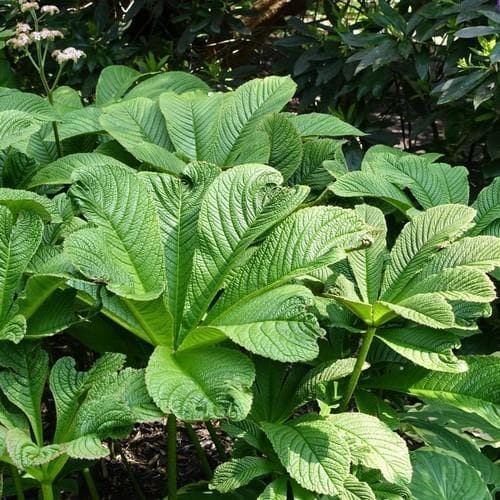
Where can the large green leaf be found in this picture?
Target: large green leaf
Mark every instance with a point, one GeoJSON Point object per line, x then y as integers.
{"type": "Point", "coordinates": [171, 81]}
{"type": "Point", "coordinates": [123, 247]}
{"type": "Point", "coordinates": [285, 144]}
{"type": "Point", "coordinates": [238, 472]}
{"type": "Point", "coordinates": [450, 443]}
{"type": "Point", "coordinates": [441, 477]}
{"type": "Point", "coordinates": [139, 127]}
{"type": "Point", "coordinates": [374, 445]}
{"type": "Point", "coordinates": [370, 185]}
{"type": "Point", "coordinates": [275, 324]}
{"type": "Point", "coordinates": [367, 264]}
{"type": "Point", "coordinates": [475, 391]}
{"type": "Point", "coordinates": [22, 380]}
{"type": "Point", "coordinates": [313, 452]}
{"type": "Point", "coordinates": [19, 240]}
{"type": "Point", "coordinates": [487, 205]}
{"type": "Point", "coordinates": [277, 490]}
{"type": "Point", "coordinates": [16, 127]}
{"type": "Point", "coordinates": [178, 205]}
{"type": "Point", "coordinates": [35, 106]}
{"type": "Point", "coordinates": [201, 384]}
{"type": "Point", "coordinates": [191, 121]}
{"type": "Point", "coordinates": [242, 109]}
{"type": "Point", "coordinates": [113, 82]}
{"type": "Point", "coordinates": [311, 171]}
{"type": "Point", "coordinates": [307, 240]}
{"type": "Point", "coordinates": [321, 124]}
{"type": "Point", "coordinates": [425, 347]}
{"type": "Point", "coordinates": [238, 207]}
{"type": "Point", "coordinates": [419, 240]}
{"type": "Point", "coordinates": [62, 170]}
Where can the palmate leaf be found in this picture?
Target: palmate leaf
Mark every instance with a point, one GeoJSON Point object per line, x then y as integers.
{"type": "Point", "coordinates": [425, 347]}
{"type": "Point", "coordinates": [313, 453]}
{"type": "Point", "coordinates": [275, 324]}
{"type": "Point", "coordinates": [374, 445]}
{"type": "Point", "coordinates": [475, 391]}
{"type": "Point", "coordinates": [241, 111]}
{"type": "Point", "coordinates": [19, 240]}
{"type": "Point", "coordinates": [191, 120]}
{"type": "Point", "coordinates": [238, 472]}
{"type": "Point", "coordinates": [420, 240]}
{"type": "Point", "coordinates": [201, 384]}
{"type": "Point", "coordinates": [238, 207]}
{"type": "Point", "coordinates": [124, 248]}
{"type": "Point", "coordinates": [178, 205]}
{"type": "Point", "coordinates": [443, 477]}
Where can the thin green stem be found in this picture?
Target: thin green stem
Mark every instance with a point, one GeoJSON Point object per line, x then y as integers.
{"type": "Point", "coordinates": [89, 481]}
{"type": "Point", "coordinates": [18, 482]}
{"type": "Point", "coordinates": [205, 466]}
{"type": "Point", "coordinates": [358, 367]}
{"type": "Point", "coordinates": [216, 440]}
{"type": "Point", "coordinates": [172, 457]}
{"type": "Point", "coordinates": [47, 491]}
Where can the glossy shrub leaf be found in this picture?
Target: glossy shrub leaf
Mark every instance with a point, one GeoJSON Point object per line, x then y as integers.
{"type": "Point", "coordinates": [123, 247]}
{"type": "Point", "coordinates": [200, 384]}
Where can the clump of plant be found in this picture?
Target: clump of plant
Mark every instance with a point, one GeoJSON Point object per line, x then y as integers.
{"type": "Point", "coordinates": [201, 230]}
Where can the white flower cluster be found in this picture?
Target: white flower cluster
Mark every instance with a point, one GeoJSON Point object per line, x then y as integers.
{"type": "Point", "coordinates": [26, 6]}
{"type": "Point", "coordinates": [68, 54]}
{"type": "Point", "coordinates": [25, 36]}
{"type": "Point", "coordinates": [46, 34]}
{"type": "Point", "coordinates": [51, 10]}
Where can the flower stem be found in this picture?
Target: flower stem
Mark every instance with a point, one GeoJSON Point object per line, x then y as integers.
{"type": "Point", "coordinates": [358, 367]}
{"type": "Point", "coordinates": [89, 480]}
{"type": "Point", "coordinates": [18, 482]}
{"type": "Point", "coordinates": [205, 466]}
{"type": "Point", "coordinates": [172, 457]}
